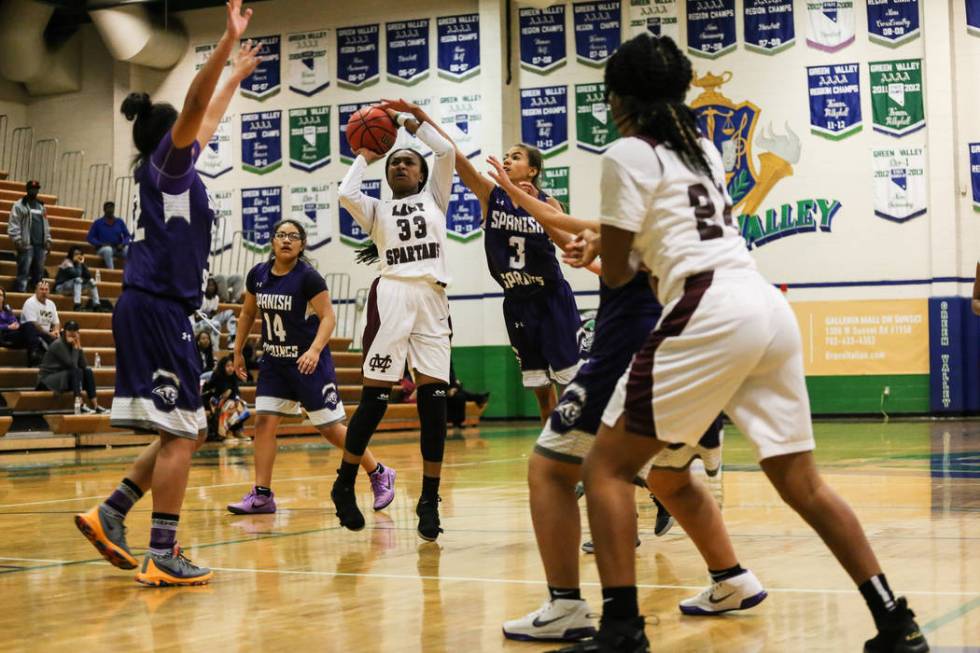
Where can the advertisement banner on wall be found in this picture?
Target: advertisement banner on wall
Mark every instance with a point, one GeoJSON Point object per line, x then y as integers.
{"type": "Point", "coordinates": [358, 56]}
{"type": "Point", "coordinates": [458, 46]}
{"type": "Point", "coordinates": [769, 26]}
{"type": "Point", "coordinates": [897, 108]}
{"type": "Point", "coordinates": [309, 138]}
{"type": "Point", "coordinates": [265, 81]}
{"type": "Point", "coordinates": [462, 118]}
{"type": "Point", "coordinates": [655, 17]}
{"type": "Point", "coordinates": [261, 142]}
{"type": "Point", "coordinates": [554, 181]}
{"type": "Point", "coordinates": [217, 158]}
{"type": "Point", "coordinates": [900, 192]}
{"type": "Point", "coordinates": [344, 112]}
{"type": "Point", "coordinates": [407, 48]}
{"type": "Point", "coordinates": [710, 28]}
{"type": "Point", "coordinates": [351, 232]}
{"type": "Point", "coordinates": [598, 31]}
{"type": "Point", "coordinates": [544, 118]}
{"type": "Point", "coordinates": [854, 338]}
{"type": "Point", "coordinates": [225, 225]}
{"type": "Point", "coordinates": [835, 100]}
{"type": "Point", "coordinates": [464, 219]}
{"type": "Point", "coordinates": [307, 65]}
{"type": "Point", "coordinates": [893, 22]}
{"type": "Point", "coordinates": [311, 206]}
{"type": "Point", "coordinates": [542, 36]}
{"type": "Point", "coordinates": [261, 208]}
{"type": "Point", "coordinates": [973, 17]}
{"type": "Point", "coordinates": [975, 174]}
{"type": "Point", "coordinates": [594, 127]}
{"type": "Point", "coordinates": [831, 24]}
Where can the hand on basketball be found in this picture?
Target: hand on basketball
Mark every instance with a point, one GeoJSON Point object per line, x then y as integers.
{"type": "Point", "coordinates": [582, 250]}
{"type": "Point", "coordinates": [246, 60]}
{"type": "Point", "coordinates": [237, 19]}
{"type": "Point", "coordinates": [307, 362]}
{"type": "Point", "coordinates": [239, 362]}
{"type": "Point", "coordinates": [402, 106]}
{"type": "Point", "coordinates": [369, 155]}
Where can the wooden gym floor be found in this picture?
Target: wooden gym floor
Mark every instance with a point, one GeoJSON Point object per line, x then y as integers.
{"type": "Point", "coordinates": [296, 582]}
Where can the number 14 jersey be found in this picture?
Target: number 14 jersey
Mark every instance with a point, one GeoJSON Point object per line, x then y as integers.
{"type": "Point", "coordinates": [289, 324]}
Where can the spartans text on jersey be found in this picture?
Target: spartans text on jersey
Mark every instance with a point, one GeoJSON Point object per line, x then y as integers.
{"type": "Point", "coordinates": [411, 253]}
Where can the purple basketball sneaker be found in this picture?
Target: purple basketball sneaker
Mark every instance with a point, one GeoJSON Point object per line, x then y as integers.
{"type": "Point", "coordinates": [254, 503]}
{"type": "Point", "coordinates": [383, 487]}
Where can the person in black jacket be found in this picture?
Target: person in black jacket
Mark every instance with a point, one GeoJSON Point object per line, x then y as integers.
{"type": "Point", "coordinates": [64, 368]}
{"type": "Point", "coordinates": [74, 276]}
{"type": "Point", "coordinates": [226, 411]}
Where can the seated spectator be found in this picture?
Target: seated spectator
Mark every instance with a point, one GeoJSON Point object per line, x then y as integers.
{"type": "Point", "coordinates": [253, 357]}
{"type": "Point", "coordinates": [208, 317]}
{"type": "Point", "coordinates": [15, 335]}
{"type": "Point", "coordinates": [206, 351]}
{"type": "Point", "coordinates": [109, 236]}
{"type": "Point", "coordinates": [74, 276]}
{"type": "Point", "coordinates": [457, 398]}
{"type": "Point", "coordinates": [64, 368]}
{"type": "Point", "coordinates": [30, 230]}
{"type": "Point", "coordinates": [42, 314]}
{"type": "Point", "coordinates": [231, 288]}
{"type": "Point", "coordinates": [226, 410]}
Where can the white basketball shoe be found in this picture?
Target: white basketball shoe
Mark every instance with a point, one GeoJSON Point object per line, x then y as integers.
{"type": "Point", "coordinates": [738, 593]}
{"type": "Point", "coordinates": [561, 620]}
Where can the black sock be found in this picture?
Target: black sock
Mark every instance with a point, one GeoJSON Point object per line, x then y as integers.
{"type": "Point", "coordinates": [347, 473]}
{"type": "Point", "coordinates": [878, 595]}
{"type": "Point", "coordinates": [263, 491]}
{"type": "Point", "coordinates": [620, 603]}
{"type": "Point", "coordinates": [725, 574]}
{"type": "Point", "coordinates": [430, 487]}
{"type": "Point", "coordinates": [571, 594]}
{"type": "Point", "coordinates": [377, 470]}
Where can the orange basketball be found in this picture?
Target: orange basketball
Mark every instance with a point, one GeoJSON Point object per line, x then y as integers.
{"type": "Point", "coordinates": [372, 128]}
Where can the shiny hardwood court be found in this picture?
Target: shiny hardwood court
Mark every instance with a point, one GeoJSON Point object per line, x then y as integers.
{"type": "Point", "coordinates": [297, 582]}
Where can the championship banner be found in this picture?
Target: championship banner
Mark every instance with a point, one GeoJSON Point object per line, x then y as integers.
{"type": "Point", "coordinates": [309, 138]}
{"type": "Point", "coordinates": [544, 118]}
{"type": "Point", "coordinates": [344, 112]}
{"type": "Point", "coordinates": [461, 117]}
{"type": "Point", "coordinates": [554, 181]}
{"type": "Point", "coordinates": [223, 228]}
{"type": "Point", "coordinates": [464, 219]}
{"type": "Point", "coordinates": [656, 17]}
{"type": "Point", "coordinates": [893, 22]}
{"type": "Point", "coordinates": [261, 208]}
{"type": "Point", "coordinates": [358, 56]}
{"type": "Point", "coordinates": [769, 26]}
{"type": "Point", "coordinates": [265, 81]}
{"type": "Point", "coordinates": [973, 17]}
{"type": "Point", "coordinates": [710, 28]}
{"type": "Point", "coordinates": [201, 55]}
{"type": "Point", "coordinates": [307, 67]}
{"type": "Point", "coordinates": [542, 34]}
{"type": "Point", "coordinates": [835, 100]}
{"type": "Point", "coordinates": [899, 183]}
{"type": "Point", "coordinates": [311, 206]}
{"type": "Point", "coordinates": [216, 158]}
{"type": "Point", "coordinates": [598, 31]}
{"type": "Point", "coordinates": [261, 141]}
{"type": "Point", "coordinates": [458, 46]}
{"type": "Point", "coordinates": [594, 126]}
{"type": "Point", "coordinates": [405, 139]}
{"type": "Point", "coordinates": [975, 174]}
{"type": "Point", "coordinates": [408, 51]}
{"type": "Point", "coordinates": [897, 108]}
{"type": "Point", "coordinates": [351, 232]}
{"type": "Point", "coordinates": [831, 24]}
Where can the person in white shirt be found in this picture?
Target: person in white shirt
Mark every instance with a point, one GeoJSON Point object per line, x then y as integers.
{"type": "Point", "coordinates": [42, 313]}
{"type": "Point", "coordinates": [408, 311]}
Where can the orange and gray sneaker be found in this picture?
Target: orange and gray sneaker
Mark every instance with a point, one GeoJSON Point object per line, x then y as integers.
{"type": "Point", "coordinates": [107, 533]}
{"type": "Point", "coordinates": [171, 569]}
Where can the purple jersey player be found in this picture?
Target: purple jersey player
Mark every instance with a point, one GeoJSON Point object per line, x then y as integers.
{"type": "Point", "coordinates": [157, 367]}
{"type": "Point", "coordinates": [296, 369]}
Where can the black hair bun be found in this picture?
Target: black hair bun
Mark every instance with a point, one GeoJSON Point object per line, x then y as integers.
{"type": "Point", "coordinates": [136, 105]}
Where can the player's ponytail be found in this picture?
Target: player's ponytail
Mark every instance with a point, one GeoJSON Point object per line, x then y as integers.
{"type": "Point", "coordinates": [368, 253]}
{"type": "Point", "coordinates": [151, 122]}
{"type": "Point", "coordinates": [650, 76]}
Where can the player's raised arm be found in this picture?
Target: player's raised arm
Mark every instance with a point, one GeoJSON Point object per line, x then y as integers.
{"type": "Point", "coordinates": [245, 63]}
{"type": "Point", "coordinates": [418, 123]}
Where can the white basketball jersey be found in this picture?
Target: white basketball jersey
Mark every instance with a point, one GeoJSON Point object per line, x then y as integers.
{"type": "Point", "coordinates": [682, 219]}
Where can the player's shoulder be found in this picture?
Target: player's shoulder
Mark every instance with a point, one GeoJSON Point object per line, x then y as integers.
{"type": "Point", "coordinates": [631, 151]}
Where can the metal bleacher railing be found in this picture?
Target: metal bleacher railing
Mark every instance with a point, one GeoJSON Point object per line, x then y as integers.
{"type": "Point", "coordinates": [44, 163]}
{"type": "Point", "coordinates": [70, 182]}
{"type": "Point", "coordinates": [17, 153]}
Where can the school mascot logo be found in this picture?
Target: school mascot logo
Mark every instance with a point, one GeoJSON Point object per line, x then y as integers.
{"type": "Point", "coordinates": [166, 389]}
{"type": "Point", "coordinates": [330, 396]}
{"type": "Point", "coordinates": [586, 334]}
{"type": "Point", "coordinates": [569, 409]}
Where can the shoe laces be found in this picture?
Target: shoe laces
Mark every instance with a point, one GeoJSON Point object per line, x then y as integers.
{"type": "Point", "coordinates": [377, 480]}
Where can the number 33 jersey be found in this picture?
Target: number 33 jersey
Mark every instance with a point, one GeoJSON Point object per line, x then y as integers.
{"type": "Point", "coordinates": [289, 323]}
{"type": "Point", "coordinates": [682, 218]}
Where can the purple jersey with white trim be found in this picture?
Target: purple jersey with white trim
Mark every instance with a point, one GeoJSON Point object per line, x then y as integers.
{"type": "Point", "coordinates": [169, 253]}
{"type": "Point", "coordinates": [520, 254]}
{"type": "Point", "coordinates": [289, 324]}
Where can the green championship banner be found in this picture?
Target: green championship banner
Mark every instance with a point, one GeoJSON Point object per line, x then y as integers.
{"type": "Point", "coordinates": [554, 181]}
{"type": "Point", "coordinates": [896, 97]}
{"type": "Point", "coordinates": [309, 138]}
{"type": "Point", "coordinates": [594, 126]}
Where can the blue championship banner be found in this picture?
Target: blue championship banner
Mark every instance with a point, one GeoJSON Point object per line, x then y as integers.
{"type": "Point", "coordinates": [464, 218]}
{"type": "Point", "coordinates": [351, 232]}
{"type": "Point", "coordinates": [598, 31]}
{"type": "Point", "coordinates": [458, 46]}
{"type": "Point", "coordinates": [307, 68]}
{"type": "Point", "coordinates": [769, 26]}
{"type": "Point", "coordinates": [408, 51]}
{"type": "Point", "coordinates": [710, 27]}
{"type": "Point", "coordinates": [835, 100]}
{"type": "Point", "coordinates": [544, 118]}
{"type": "Point", "coordinates": [542, 33]}
{"type": "Point", "coordinates": [975, 174]}
{"type": "Point", "coordinates": [893, 22]}
{"type": "Point", "coordinates": [265, 81]}
{"type": "Point", "coordinates": [261, 208]}
{"type": "Point", "coordinates": [358, 56]}
{"type": "Point", "coordinates": [261, 141]}
{"type": "Point", "coordinates": [216, 158]}
{"type": "Point", "coordinates": [344, 112]}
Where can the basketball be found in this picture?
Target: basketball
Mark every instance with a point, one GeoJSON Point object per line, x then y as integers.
{"type": "Point", "coordinates": [373, 128]}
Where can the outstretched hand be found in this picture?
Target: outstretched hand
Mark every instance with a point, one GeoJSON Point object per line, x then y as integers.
{"type": "Point", "coordinates": [237, 21]}
{"type": "Point", "coordinates": [499, 176]}
{"type": "Point", "coordinates": [582, 250]}
{"type": "Point", "coordinates": [401, 106]}
{"type": "Point", "coordinates": [246, 60]}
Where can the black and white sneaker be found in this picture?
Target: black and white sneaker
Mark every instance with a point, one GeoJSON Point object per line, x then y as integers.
{"type": "Point", "coordinates": [428, 512]}
{"type": "Point", "coordinates": [614, 636]}
{"type": "Point", "coordinates": [665, 520]}
{"type": "Point", "coordinates": [345, 503]}
{"type": "Point", "coordinates": [900, 634]}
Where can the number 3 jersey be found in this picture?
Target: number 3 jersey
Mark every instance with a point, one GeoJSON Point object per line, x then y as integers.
{"type": "Point", "coordinates": [682, 218]}
{"type": "Point", "coordinates": [289, 324]}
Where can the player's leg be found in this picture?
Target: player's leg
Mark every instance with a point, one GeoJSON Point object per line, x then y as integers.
{"type": "Point", "coordinates": [260, 499]}
{"type": "Point", "coordinates": [382, 477]}
{"type": "Point", "coordinates": [556, 335]}
{"type": "Point", "coordinates": [519, 319]}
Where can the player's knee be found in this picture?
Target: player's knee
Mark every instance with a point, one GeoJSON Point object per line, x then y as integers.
{"type": "Point", "coordinates": [665, 483]}
{"type": "Point", "coordinates": [543, 472]}
{"type": "Point", "coordinates": [334, 433]}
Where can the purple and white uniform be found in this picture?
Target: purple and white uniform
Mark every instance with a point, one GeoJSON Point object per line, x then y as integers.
{"type": "Point", "coordinates": [158, 370]}
{"type": "Point", "coordinates": [289, 326]}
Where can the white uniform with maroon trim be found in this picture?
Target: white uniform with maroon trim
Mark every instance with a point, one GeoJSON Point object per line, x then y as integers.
{"type": "Point", "coordinates": [408, 311]}
{"type": "Point", "coordinates": [728, 340]}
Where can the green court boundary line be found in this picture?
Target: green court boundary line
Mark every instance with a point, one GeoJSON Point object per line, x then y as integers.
{"type": "Point", "coordinates": [950, 617]}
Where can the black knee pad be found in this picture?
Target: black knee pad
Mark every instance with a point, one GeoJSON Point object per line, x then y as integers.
{"type": "Point", "coordinates": [370, 411]}
{"type": "Point", "coordinates": [432, 413]}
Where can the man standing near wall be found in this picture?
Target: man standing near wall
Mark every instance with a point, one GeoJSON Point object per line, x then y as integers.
{"type": "Point", "coordinates": [31, 233]}
{"type": "Point", "coordinates": [109, 236]}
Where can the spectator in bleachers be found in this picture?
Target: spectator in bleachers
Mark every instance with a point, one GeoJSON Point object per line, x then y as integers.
{"type": "Point", "coordinates": [74, 276]}
{"type": "Point", "coordinates": [226, 410]}
{"type": "Point", "coordinates": [64, 368]}
{"type": "Point", "coordinates": [209, 318]}
{"type": "Point", "coordinates": [457, 397]}
{"type": "Point", "coordinates": [15, 335]}
{"type": "Point", "coordinates": [205, 349]}
{"type": "Point", "coordinates": [231, 288]}
{"type": "Point", "coordinates": [42, 314]}
{"type": "Point", "coordinates": [109, 236]}
{"type": "Point", "coordinates": [29, 229]}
